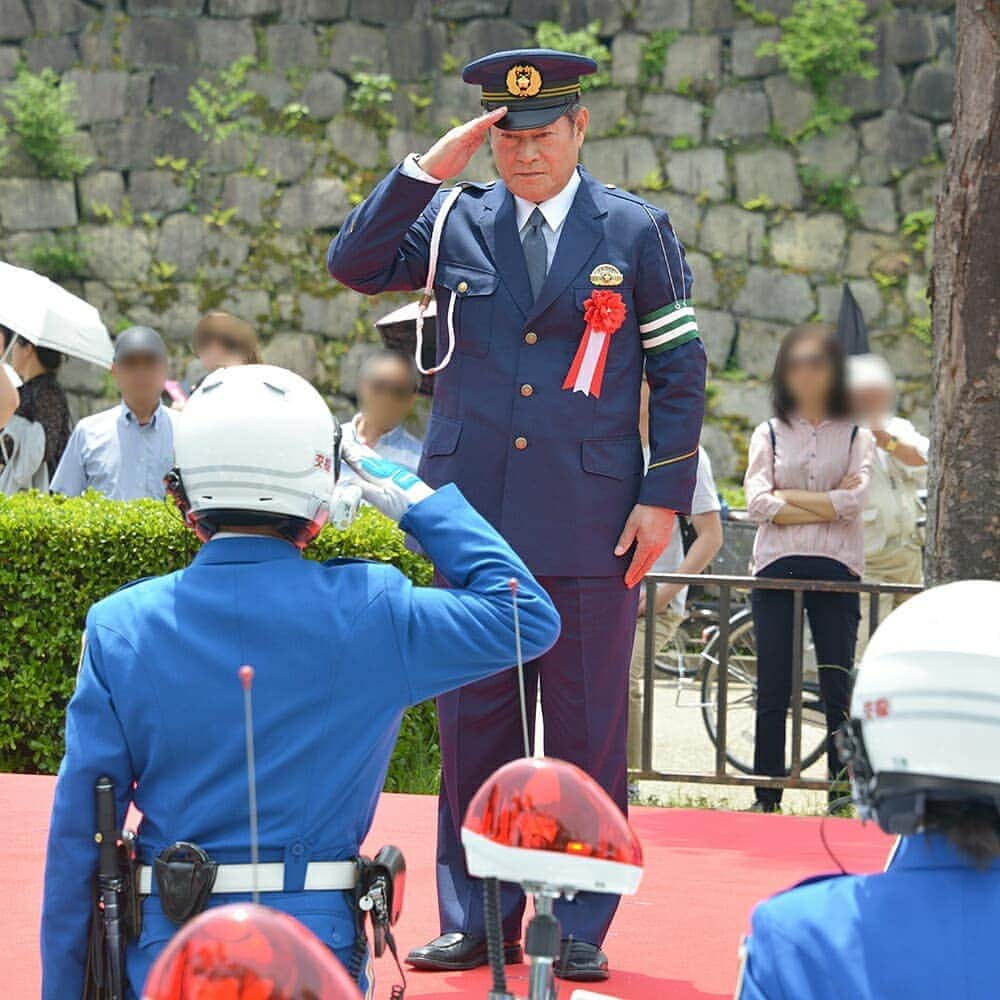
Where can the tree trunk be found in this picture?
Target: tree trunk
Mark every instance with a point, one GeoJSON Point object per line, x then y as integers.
{"type": "Point", "coordinates": [963, 531]}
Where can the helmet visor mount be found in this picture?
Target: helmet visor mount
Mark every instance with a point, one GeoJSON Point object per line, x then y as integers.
{"type": "Point", "coordinates": [898, 800]}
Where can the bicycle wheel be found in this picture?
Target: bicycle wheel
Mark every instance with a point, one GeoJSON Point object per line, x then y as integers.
{"type": "Point", "coordinates": [741, 699]}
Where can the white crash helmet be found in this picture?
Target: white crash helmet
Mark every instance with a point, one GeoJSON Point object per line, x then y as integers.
{"type": "Point", "coordinates": [255, 444]}
{"type": "Point", "coordinates": [925, 713]}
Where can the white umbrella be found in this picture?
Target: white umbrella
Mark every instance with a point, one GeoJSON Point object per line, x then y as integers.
{"type": "Point", "coordinates": [48, 316]}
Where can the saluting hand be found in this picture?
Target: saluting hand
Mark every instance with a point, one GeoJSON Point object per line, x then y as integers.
{"type": "Point", "coordinates": [449, 155]}
{"type": "Point", "coordinates": [649, 527]}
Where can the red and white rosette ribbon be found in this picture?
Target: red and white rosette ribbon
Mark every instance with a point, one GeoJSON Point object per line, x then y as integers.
{"type": "Point", "coordinates": [604, 312]}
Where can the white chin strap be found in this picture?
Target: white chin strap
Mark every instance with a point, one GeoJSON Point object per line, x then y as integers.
{"type": "Point", "coordinates": [428, 294]}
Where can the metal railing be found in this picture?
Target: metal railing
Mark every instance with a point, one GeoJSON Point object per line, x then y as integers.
{"type": "Point", "coordinates": [726, 585]}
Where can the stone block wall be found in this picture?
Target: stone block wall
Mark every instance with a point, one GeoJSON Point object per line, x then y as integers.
{"type": "Point", "coordinates": [166, 223]}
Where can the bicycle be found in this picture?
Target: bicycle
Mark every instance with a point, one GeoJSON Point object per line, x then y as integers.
{"type": "Point", "coordinates": [741, 701]}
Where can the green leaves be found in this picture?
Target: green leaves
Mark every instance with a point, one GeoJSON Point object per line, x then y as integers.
{"type": "Point", "coordinates": [42, 115]}
{"type": "Point", "coordinates": [217, 105]}
{"type": "Point", "coordinates": [918, 226]}
{"type": "Point", "coordinates": [585, 42]}
{"type": "Point", "coordinates": [823, 43]}
{"type": "Point", "coordinates": [59, 555]}
{"type": "Point", "coordinates": [654, 56]}
{"type": "Point", "coordinates": [371, 99]}
{"type": "Point", "coordinates": [58, 256]}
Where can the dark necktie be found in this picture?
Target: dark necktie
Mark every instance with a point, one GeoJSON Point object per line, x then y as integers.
{"type": "Point", "coordinates": [536, 254]}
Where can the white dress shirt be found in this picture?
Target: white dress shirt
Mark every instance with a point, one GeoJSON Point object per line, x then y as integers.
{"type": "Point", "coordinates": [555, 209]}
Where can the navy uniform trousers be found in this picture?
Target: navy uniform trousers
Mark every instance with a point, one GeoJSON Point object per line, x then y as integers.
{"type": "Point", "coordinates": [556, 472]}
{"type": "Point", "coordinates": [480, 728]}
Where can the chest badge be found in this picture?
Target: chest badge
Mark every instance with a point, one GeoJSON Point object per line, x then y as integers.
{"type": "Point", "coordinates": [606, 276]}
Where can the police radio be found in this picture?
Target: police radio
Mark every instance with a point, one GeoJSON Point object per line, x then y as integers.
{"type": "Point", "coordinates": [381, 884]}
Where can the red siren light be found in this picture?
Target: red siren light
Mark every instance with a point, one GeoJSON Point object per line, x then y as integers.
{"type": "Point", "coordinates": [247, 952]}
{"type": "Point", "coordinates": [540, 821]}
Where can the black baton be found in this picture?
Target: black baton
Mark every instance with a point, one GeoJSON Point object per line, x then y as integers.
{"type": "Point", "coordinates": [110, 890]}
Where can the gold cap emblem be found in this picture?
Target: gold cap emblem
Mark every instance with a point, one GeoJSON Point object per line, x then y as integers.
{"type": "Point", "coordinates": [523, 80]}
{"type": "Point", "coordinates": [606, 275]}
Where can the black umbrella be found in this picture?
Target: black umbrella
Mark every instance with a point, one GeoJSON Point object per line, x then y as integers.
{"type": "Point", "coordinates": [851, 329]}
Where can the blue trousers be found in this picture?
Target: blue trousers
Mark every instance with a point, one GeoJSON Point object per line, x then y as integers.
{"type": "Point", "coordinates": [584, 688]}
{"type": "Point", "coordinates": [833, 620]}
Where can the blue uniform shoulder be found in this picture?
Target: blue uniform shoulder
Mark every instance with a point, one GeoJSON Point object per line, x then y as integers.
{"type": "Point", "coordinates": [348, 561]}
{"type": "Point", "coordinates": [132, 583]}
{"type": "Point", "coordinates": [814, 880]}
{"type": "Point", "coordinates": [112, 608]}
{"type": "Point", "coordinates": [806, 903]}
{"type": "Point", "coordinates": [613, 191]}
{"type": "Point", "coordinates": [632, 209]}
{"type": "Point", "coordinates": [470, 189]}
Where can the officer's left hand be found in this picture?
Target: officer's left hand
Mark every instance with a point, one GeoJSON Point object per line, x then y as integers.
{"type": "Point", "coordinates": [387, 486]}
{"type": "Point", "coordinates": [649, 527]}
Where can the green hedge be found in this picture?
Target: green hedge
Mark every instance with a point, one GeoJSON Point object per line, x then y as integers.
{"type": "Point", "coordinates": [59, 555]}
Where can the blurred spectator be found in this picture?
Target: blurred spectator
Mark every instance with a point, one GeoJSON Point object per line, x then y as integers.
{"type": "Point", "coordinates": [42, 398]}
{"type": "Point", "coordinates": [893, 543]}
{"type": "Point", "coordinates": [22, 444]}
{"type": "Point", "coordinates": [221, 340]}
{"type": "Point", "coordinates": [126, 451]}
{"type": "Point", "coordinates": [9, 398]}
{"type": "Point", "coordinates": [806, 483]}
{"type": "Point", "coordinates": [670, 597]}
{"type": "Point", "coordinates": [387, 387]}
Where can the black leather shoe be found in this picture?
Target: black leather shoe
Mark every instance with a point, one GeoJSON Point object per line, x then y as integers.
{"type": "Point", "coordinates": [580, 962]}
{"type": "Point", "coordinates": [455, 952]}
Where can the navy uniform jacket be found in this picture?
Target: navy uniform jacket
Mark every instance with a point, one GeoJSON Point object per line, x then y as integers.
{"type": "Point", "coordinates": [339, 651]}
{"type": "Point", "coordinates": [562, 499]}
{"type": "Point", "coordinates": [926, 929]}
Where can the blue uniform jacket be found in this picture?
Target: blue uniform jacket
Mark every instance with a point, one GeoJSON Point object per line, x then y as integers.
{"type": "Point", "coordinates": [339, 650]}
{"type": "Point", "coordinates": [562, 498]}
{"type": "Point", "coordinates": [926, 929]}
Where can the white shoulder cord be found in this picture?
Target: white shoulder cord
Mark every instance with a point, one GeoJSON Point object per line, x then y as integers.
{"type": "Point", "coordinates": [663, 247]}
{"type": "Point", "coordinates": [428, 294]}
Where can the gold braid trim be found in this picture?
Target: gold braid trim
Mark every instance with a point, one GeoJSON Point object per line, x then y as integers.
{"type": "Point", "coordinates": [670, 461]}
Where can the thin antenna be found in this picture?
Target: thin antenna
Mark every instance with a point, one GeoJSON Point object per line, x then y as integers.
{"type": "Point", "coordinates": [520, 668]}
{"type": "Point", "coordinates": [246, 679]}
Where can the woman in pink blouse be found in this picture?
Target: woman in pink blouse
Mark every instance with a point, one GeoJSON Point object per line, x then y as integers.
{"type": "Point", "coordinates": [805, 486]}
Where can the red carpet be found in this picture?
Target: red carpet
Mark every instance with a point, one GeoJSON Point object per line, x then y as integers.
{"type": "Point", "coordinates": [677, 938]}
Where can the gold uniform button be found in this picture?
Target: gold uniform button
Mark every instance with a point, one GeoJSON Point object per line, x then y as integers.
{"type": "Point", "coordinates": [527, 390]}
{"type": "Point", "coordinates": [462, 287]}
{"type": "Point", "coordinates": [520, 443]}
{"type": "Point", "coordinates": [531, 338]}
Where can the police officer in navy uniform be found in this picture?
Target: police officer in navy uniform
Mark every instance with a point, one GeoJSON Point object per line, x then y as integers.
{"type": "Point", "coordinates": [339, 650]}
{"type": "Point", "coordinates": [536, 417]}
{"type": "Point", "coordinates": [923, 749]}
